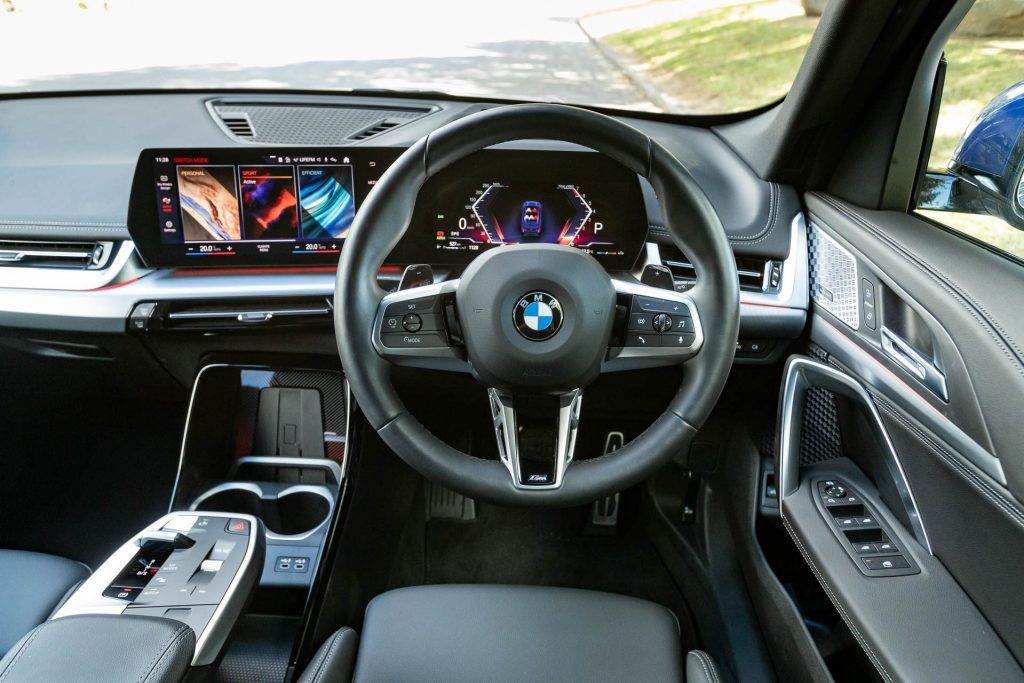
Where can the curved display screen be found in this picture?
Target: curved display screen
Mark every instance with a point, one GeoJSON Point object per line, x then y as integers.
{"type": "Point", "coordinates": [507, 197]}
{"type": "Point", "coordinates": [249, 206]}
{"type": "Point", "coordinates": [270, 206]}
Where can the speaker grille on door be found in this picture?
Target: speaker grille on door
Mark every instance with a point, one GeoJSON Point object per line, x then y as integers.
{"type": "Point", "coordinates": [833, 272]}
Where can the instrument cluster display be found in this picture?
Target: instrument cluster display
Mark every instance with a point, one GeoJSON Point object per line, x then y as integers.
{"type": "Point", "coordinates": [501, 198]}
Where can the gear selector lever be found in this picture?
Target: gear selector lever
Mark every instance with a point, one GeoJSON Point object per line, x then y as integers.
{"type": "Point", "coordinates": [177, 540]}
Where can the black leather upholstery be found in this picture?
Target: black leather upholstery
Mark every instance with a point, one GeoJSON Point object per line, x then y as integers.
{"type": "Point", "coordinates": [700, 668]}
{"type": "Point", "coordinates": [33, 585]}
{"type": "Point", "coordinates": [335, 660]}
{"type": "Point", "coordinates": [101, 647]}
{"type": "Point", "coordinates": [500, 633]}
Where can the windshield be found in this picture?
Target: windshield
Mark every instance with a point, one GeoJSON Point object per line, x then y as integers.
{"type": "Point", "coordinates": [684, 56]}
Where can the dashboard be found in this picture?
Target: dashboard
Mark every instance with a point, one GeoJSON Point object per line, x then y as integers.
{"type": "Point", "coordinates": [257, 219]}
{"type": "Point", "coordinates": [281, 206]}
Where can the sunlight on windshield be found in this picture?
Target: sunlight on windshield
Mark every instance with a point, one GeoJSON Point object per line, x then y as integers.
{"type": "Point", "coordinates": [687, 56]}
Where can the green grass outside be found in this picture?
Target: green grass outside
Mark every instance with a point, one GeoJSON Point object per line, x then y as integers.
{"type": "Point", "coordinates": [739, 57]}
{"type": "Point", "coordinates": [722, 60]}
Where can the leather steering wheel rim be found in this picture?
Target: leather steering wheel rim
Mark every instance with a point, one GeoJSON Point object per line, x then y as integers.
{"type": "Point", "coordinates": [384, 218]}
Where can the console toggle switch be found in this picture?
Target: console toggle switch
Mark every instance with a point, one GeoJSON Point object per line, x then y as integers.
{"type": "Point", "coordinates": [212, 566]}
{"type": "Point", "coordinates": [222, 550]}
{"type": "Point", "coordinates": [181, 523]}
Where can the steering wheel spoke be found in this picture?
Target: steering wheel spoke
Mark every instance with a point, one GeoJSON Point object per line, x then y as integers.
{"type": "Point", "coordinates": [660, 327]}
{"type": "Point", "coordinates": [418, 327]}
{"type": "Point", "coordinates": [536, 435]}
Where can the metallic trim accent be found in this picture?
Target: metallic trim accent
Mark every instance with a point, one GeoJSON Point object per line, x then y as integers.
{"type": "Point", "coordinates": [506, 430]}
{"type": "Point", "coordinates": [88, 598]}
{"type": "Point", "coordinates": [844, 303]}
{"type": "Point", "coordinates": [248, 316]}
{"type": "Point", "coordinates": [184, 434]}
{"type": "Point", "coordinates": [911, 360]}
{"type": "Point", "coordinates": [283, 461]}
{"type": "Point", "coordinates": [878, 376]}
{"type": "Point", "coordinates": [803, 374]}
{"type": "Point", "coordinates": [71, 279]}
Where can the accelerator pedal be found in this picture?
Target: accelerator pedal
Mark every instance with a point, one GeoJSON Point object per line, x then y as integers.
{"type": "Point", "coordinates": [604, 513]}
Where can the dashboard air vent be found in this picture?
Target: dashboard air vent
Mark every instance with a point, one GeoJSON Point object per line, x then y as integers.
{"type": "Point", "coordinates": [375, 129]}
{"type": "Point", "coordinates": [46, 254]}
{"type": "Point", "coordinates": [238, 124]}
{"type": "Point", "coordinates": [752, 272]}
{"type": "Point", "coordinates": [320, 123]}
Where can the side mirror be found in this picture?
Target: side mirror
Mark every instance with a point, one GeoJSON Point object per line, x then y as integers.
{"type": "Point", "coordinates": [986, 173]}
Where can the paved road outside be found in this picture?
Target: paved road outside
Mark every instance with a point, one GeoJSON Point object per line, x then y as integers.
{"type": "Point", "coordinates": [530, 48]}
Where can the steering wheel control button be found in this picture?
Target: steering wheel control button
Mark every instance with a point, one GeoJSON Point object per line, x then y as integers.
{"type": "Point", "coordinates": [409, 340]}
{"type": "Point", "coordinates": [392, 323]}
{"type": "Point", "coordinates": [427, 304]}
{"type": "Point", "coordinates": [648, 304]}
{"type": "Point", "coordinates": [643, 340]}
{"type": "Point", "coordinates": [641, 322]}
{"type": "Point", "coordinates": [677, 341]}
{"type": "Point", "coordinates": [662, 322]}
{"type": "Point", "coordinates": [412, 322]}
{"type": "Point", "coordinates": [537, 316]}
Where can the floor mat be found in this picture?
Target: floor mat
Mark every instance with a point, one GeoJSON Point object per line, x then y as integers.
{"type": "Point", "coordinates": [259, 650]}
{"type": "Point", "coordinates": [546, 548]}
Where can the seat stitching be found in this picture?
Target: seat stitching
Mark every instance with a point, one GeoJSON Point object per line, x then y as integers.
{"type": "Point", "coordinates": [710, 667]}
{"type": "Point", "coordinates": [835, 601]}
{"type": "Point", "coordinates": [959, 468]}
{"type": "Point", "coordinates": [774, 200]}
{"type": "Point", "coordinates": [965, 301]}
{"type": "Point", "coordinates": [774, 205]}
{"type": "Point", "coordinates": [337, 640]}
{"type": "Point", "coordinates": [21, 651]}
{"type": "Point", "coordinates": [177, 635]}
{"type": "Point", "coordinates": [703, 665]}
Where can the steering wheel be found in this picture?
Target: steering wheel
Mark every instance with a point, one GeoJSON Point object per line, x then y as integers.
{"type": "Point", "coordinates": [534, 323]}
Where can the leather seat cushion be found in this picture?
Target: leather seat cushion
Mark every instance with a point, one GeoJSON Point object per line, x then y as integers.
{"type": "Point", "coordinates": [33, 585]}
{"type": "Point", "coordinates": [501, 633]}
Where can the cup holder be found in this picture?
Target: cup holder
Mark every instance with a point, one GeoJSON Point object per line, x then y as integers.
{"type": "Point", "coordinates": [289, 512]}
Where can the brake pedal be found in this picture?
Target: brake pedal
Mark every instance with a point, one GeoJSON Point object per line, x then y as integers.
{"type": "Point", "coordinates": [443, 503]}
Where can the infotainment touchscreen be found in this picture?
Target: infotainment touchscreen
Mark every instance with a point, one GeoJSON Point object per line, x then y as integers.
{"type": "Point", "coordinates": [249, 206]}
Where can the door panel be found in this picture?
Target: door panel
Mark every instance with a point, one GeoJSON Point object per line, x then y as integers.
{"type": "Point", "coordinates": [931, 328]}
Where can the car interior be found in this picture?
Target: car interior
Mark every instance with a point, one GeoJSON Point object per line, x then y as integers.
{"type": "Point", "coordinates": [321, 385]}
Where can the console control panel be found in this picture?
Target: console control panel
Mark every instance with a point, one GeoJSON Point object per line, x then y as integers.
{"type": "Point", "coordinates": [198, 568]}
{"type": "Point", "coordinates": [868, 541]}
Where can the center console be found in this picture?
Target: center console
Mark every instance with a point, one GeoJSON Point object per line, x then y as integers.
{"type": "Point", "coordinates": [196, 568]}
{"type": "Point", "coordinates": [260, 480]}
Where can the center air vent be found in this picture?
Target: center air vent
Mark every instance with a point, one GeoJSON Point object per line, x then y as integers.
{"type": "Point", "coordinates": [47, 254]}
{"type": "Point", "coordinates": [238, 124]}
{"type": "Point", "coordinates": [308, 124]}
{"type": "Point", "coordinates": [753, 273]}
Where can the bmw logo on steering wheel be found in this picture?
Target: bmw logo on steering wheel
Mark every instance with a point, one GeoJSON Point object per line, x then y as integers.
{"type": "Point", "coordinates": [537, 316]}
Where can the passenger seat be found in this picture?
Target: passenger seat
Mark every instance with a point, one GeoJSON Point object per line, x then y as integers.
{"type": "Point", "coordinates": [32, 586]}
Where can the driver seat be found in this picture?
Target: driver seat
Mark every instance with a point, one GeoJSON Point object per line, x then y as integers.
{"type": "Point", "coordinates": [509, 633]}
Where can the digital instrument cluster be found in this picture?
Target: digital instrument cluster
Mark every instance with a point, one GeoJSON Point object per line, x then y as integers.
{"type": "Point", "coordinates": [501, 198]}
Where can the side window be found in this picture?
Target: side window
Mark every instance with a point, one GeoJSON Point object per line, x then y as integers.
{"type": "Point", "coordinates": [973, 182]}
